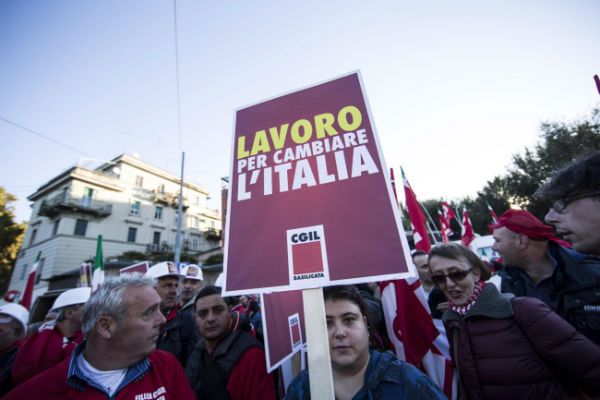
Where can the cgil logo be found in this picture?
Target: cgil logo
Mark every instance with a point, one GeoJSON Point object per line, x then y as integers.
{"type": "Point", "coordinates": [305, 237]}
{"type": "Point", "coordinates": [307, 256]}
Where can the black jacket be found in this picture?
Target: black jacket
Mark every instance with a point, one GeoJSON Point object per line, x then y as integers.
{"type": "Point", "coordinates": [208, 374]}
{"type": "Point", "coordinates": [574, 292]}
{"type": "Point", "coordinates": [178, 336]}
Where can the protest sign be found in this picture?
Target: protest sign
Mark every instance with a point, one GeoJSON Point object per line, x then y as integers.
{"type": "Point", "coordinates": [310, 202]}
{"type": "Point", "coordinates": [283, 326]}
{"type": "Point", "coordinates": [141, 267]}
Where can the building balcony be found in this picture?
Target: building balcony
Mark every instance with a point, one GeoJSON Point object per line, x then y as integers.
{"type": "Point", "coordinates": [158, 248]}
{"type": "Point", "coordinates": [58, 204]}
{"type": "Point", "coordinates": [187, 246]}
{"type": "Point", "coordinates": [213, 234]}
{"type": "Point", "coordinates": [169, 199]}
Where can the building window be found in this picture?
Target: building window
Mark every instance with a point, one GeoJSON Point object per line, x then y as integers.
{"type": "Point", "coordinates": [135, 208]}
{"type": "Point", "coordinates": [139, 181]}
{"type": "Point", "coordinates": [32, 238]}
{"type": "Point", "coordinates": [80, 227]}
{"type": "Point", "coordinates": [158, 211]}
{"type": "Point", "coordinates": [195, 243]}
{"type": "Point", "coordinates": [156, 238]}
{"type": "Point", "coordinates": [40, 269]}
{"type": "Point", "coordinates": [88, 194]}
{"type": "Point", "coordinates": [131, 234]}
{"type": "Point", "coordinates": [161, 188]}
{"type": "Point", "coordinates": [55, 227]}
{"type": "Point", "coordinates": [23, 271]}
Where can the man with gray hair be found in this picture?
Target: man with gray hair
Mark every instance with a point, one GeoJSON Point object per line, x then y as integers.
{"type": "Point", "coordinates": [117, 360]}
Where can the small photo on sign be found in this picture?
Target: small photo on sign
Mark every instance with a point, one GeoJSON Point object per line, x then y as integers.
{"type": "Point", "coordinates": [307, 256]}
{"type": "Point", "coordinates": [295, 331]}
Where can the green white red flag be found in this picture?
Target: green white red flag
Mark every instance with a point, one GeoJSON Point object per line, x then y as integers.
{"type": "Point", "coordinates": [98, 272]}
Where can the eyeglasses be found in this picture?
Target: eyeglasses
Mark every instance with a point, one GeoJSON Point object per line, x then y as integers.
{"type": "Point", "coordinates": [455, 276]}
{"type": "Point", "coordinates": [560, 204]}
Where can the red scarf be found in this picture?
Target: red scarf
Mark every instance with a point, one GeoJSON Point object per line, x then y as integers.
{"type": "Point", "coordinates": [463, 308]}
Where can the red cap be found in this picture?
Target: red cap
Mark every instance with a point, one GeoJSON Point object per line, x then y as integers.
{"type": "Point", "coordinates": [524, 223]}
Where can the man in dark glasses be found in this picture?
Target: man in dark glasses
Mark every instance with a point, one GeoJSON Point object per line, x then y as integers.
{"type": "Point", "coordinates": [573, 195]}
{"type": "Point", "coordinates": [537, 264]}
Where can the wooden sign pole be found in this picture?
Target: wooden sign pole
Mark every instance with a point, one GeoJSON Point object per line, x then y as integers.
{"type": "Point", "coordinates": [317, 341]}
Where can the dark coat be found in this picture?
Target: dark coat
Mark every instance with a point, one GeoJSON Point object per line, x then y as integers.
{"type": "Point", "coordinates": [574, 290]}
{"type": "Point", "coordinates": [386, 378]}
{"type": "Point", "coordinates": [179, 336]}
{"type": "Point", "coordinates": [517, 348]}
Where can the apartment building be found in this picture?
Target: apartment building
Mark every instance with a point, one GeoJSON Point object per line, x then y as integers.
{"type": "Point", "coordinates": [132, 204]}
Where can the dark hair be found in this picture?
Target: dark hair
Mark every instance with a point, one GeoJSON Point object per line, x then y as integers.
{"type": "Point", "coordinates": [351, 294]}
{"type": "Point", "coordinates": [417, 253]}
{"type": "Point", "coordinates": [208, 291]}
{"type": "Point", "coordinates": [580, 177]}
{"type": "Point", "coordinates": [458, 252]}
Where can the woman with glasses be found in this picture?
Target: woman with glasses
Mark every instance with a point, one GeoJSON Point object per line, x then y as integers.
{"type": "Point", "coordinates": [359, 371]}
{"type": "Point", "coordinates": [506, 347]}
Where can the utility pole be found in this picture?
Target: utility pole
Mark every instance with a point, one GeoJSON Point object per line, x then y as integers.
{"type": "Point", "coordinates": [179, 215]}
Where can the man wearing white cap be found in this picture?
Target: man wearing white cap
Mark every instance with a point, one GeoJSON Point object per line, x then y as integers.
{"type": "Point", "coordinates": [192, 283]}
{"type": "Point", "coordinates": [13, 328]}
{"type": "Point", "coordinates": [54, 341]}
{"type": "Point", "coordinates": [179, 334]}
{"type": "Point", "coordinates": [118, 359]}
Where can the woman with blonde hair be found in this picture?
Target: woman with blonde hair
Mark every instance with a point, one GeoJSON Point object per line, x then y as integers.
{"type": "Point", "coordinates": [506, 347]}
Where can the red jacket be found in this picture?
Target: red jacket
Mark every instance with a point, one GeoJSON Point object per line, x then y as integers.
{"type": "Point", "coordinates": [249, 378]}
{"type": "Point", "coordinates": [164, 379]}
{"type": "Point", "coordinates": [41, 351]}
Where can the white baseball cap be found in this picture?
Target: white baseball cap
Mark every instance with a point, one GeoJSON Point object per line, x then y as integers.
{"type": "Point", "coordinates": [165, 268]}
{"type": "Point", "coordinates": [71, 297]}
{"type": "Point", "coordinates": [192, 271]}
{"type": "Point", "coordinates": [17, 312]}
{"type": "Point", "coordinates": [220, 282]}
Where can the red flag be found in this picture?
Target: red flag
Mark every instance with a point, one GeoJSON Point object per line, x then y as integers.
{"type": "Point", "coordinates": [417, 220]}
{"type": "Point", "coordinates": [28, 293]}
{"type": "Point", "coordinates": [449, 215]}
{"type": "Point", "coordinates": [414, 335]}
{"type": "Point", "coordinates": [492, 213]}
{"type": "Point", "coordinates": [444, 227]}
{"type": "Point", "coordinates": [467, 234]}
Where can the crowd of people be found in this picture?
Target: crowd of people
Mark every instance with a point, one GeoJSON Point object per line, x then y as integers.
{"type": "Point", "coordinates": [531, 331]}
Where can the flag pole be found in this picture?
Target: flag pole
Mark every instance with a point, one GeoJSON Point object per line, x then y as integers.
{"type": "Point", "coordinates": [428, 225]}
{"type": "Point", "coordinates": [179, 216]}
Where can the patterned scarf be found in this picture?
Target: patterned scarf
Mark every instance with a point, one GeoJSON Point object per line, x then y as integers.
{"type": "Point", "coordinates": [463, 308]}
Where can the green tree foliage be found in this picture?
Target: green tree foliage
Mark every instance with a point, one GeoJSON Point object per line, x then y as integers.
{"type": "Point", "coordinates": [132, 256]}
{"type": "Point", "coordinates": [155, 258]}
{"type": "Point", "coordinates": [11, 237]}
{"type": "Point", "coordinates": [214, 259]}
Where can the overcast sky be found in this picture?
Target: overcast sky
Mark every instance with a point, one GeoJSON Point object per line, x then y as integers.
{"type": "Point", "coordinates": [455, 88]}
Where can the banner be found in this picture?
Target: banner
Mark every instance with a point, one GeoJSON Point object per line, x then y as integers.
{"type": "Point", "coordinates": [141, 267]}
{"type": "Point", "coordinates": [283, 326]}
{"type": "Point", "coordinates": [310, 202]}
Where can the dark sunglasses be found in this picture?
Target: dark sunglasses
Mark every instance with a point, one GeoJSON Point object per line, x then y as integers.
{"type": "Point", "coordinates": [560, 204]}
{"type": "Point", "coordinates": [455, 276]}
